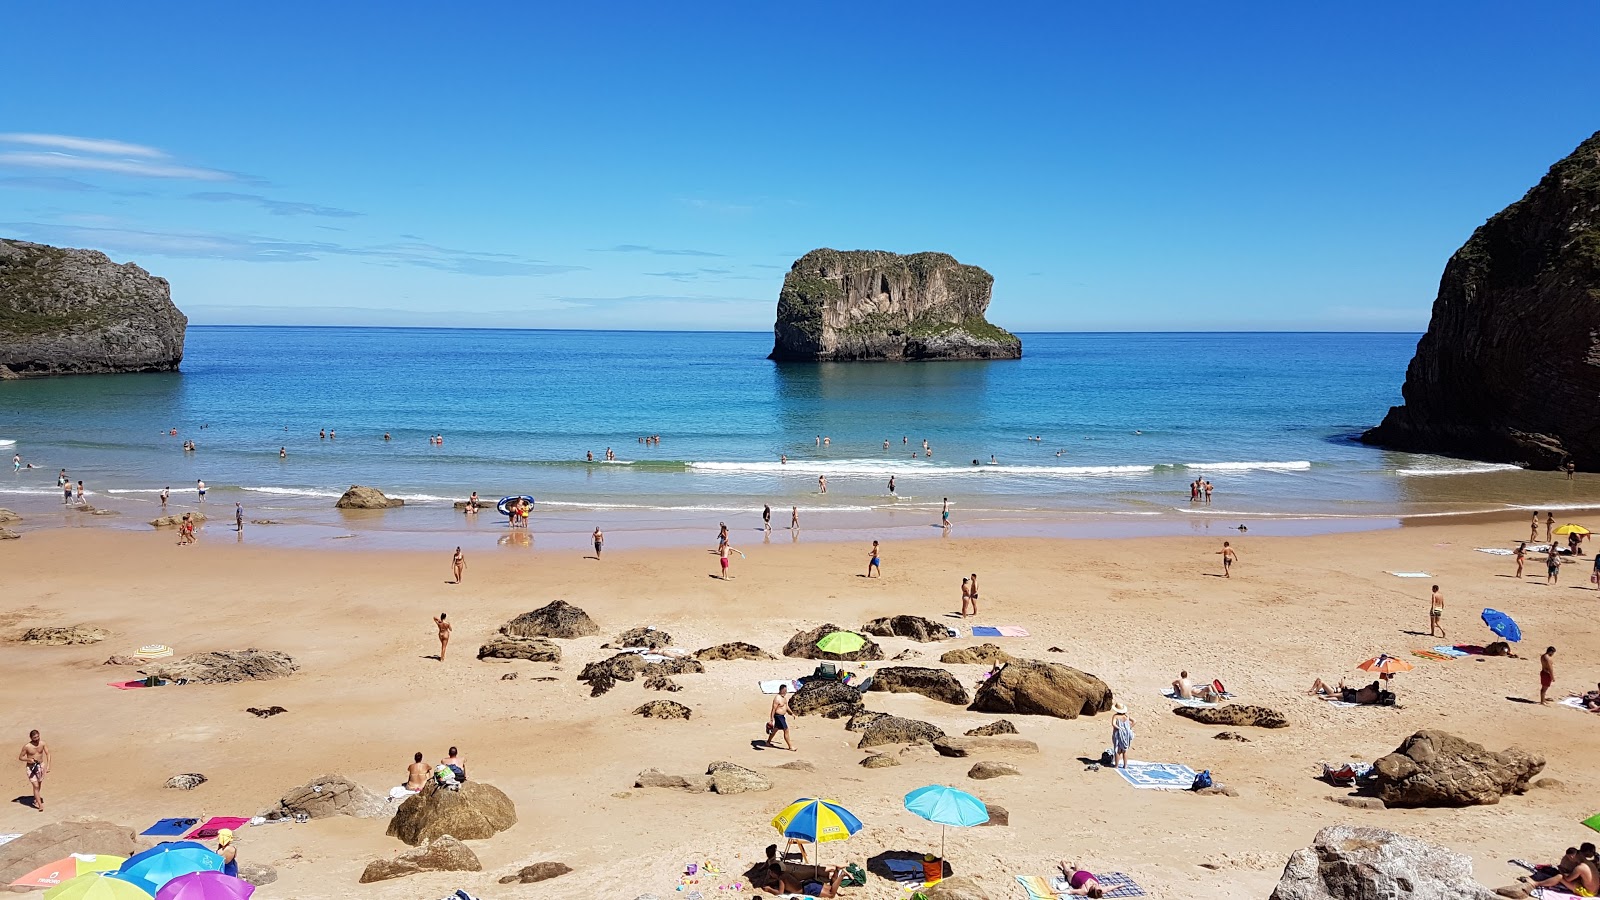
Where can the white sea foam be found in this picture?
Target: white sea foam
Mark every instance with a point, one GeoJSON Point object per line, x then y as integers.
{"type": "Point", "coordinates": [416, 498]}
{"type": "Point", "coordinates": [31, 491]}
{"type": "Point", "coordinates": [133, 490]}
{"type": "Point", "coordinates": [6, 442]}
{"type": "Point", "coordinates": [293, 492]}
{"type": "Point", "coordinates": [1467, 469]}
{"type": "Point", "coordinates": [1294, 466]}
{"type": "Point", "coordinates": [601, 506]}
{"type": "Point", "coordinates": [902, 468]}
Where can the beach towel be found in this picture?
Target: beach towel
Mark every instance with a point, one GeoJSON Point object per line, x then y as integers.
{"type": "Point", "coordinates": [1036, 887]}
{"type": "Point", "coordinates": [127, 685]}
{"type": "Point", "coordinates": [170, 827]}
{"type": "Point", "coordinates": [1451, 652]}
{"type": "Point", "coordinates": [8, 838]}
{"type": "Point", "coordinates": [1411, 574]}
{"type": "Point", "coordinates": [1432, 654]}
{"type": "Point", "coordinates": [209, 829]}
{"type": "Point", "coordinates": [1185, 701]}
{"type": "Point", "coordinates": [1157, 776]}
{"type": "Point", "coordinates": [905, 871]}
{"type": "Point", "coordinates": [1497, 551]}
{"type": "Point", "coordinates": [1343, 704]}
{"type": "Point", "coordinates": [771, 687]}
{"type": "Point", "coordinates": [1593, 821]}
{"type": "Point", "coordinates": [999, 631]}
{"type": "Point", "coordinates": [1116, 884]}
{"type": "Point", "coordinates": [1575, 703]}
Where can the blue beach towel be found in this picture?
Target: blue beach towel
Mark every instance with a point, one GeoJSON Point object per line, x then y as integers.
{"type": "Point", "coordinates": [985, 631]}
{"type": "Point", "coordinates": [1158, 776]}
{"type": "Point", "coordinates": [170, 827]}
{"type": "Point", "coordinates": [1450, 651]}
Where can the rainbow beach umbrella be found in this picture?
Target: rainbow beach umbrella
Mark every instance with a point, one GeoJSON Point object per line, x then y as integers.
{"type": "Point", "coordinates": [67, 868]}
{"type": "Point", "coordinates": [96, 886]}
{"type": "Point", "coordinates": [817, 821]}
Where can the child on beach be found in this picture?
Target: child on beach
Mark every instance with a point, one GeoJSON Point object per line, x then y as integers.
{"type": "Point", "coordinates": [1229, 556]}
{"type": "Point", "coordinates": [1436, 613]}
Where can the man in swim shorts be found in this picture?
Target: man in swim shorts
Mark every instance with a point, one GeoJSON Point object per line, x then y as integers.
{"type": "Point", "coordinates": [722, 555]}
{"type": "Point", "coordinates": [1228, 556]}
{"type": "Point", "coordinates": [1436, 613]}
{"type": "Point", "coordinates": [35, 758]}
{"type": "Point", "coordinates": [1547, 672]}
{"type": "Point", "coordinates": [200, 488]}
{"type": "Point", "coordinates": [778, 718]}
{"type": "Point", "coordinates": [599, 540]}
{"type": "Point", "coordinates": [872, 564]}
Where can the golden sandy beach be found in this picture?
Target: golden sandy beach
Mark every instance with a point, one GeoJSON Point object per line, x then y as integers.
{"type": "Point", "coordinates": [1133, 612]}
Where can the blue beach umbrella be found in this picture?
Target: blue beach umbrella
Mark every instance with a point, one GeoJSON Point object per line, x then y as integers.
{"type": "Point", "coordinates": [947, 806]}
{"type": "Point", "coordinates": [1501, 624]}
{"type": "Point", "coordinates": [163, 862]}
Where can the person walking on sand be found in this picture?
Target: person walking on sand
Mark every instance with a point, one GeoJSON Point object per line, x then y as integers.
{"type": "Point", "coordinates": [35, 759]}
{"type": "Point", "coordinates": [1436, 614]}
{"type": "Point", "coordinates": [599, 541]}
{"type": "Point", "coordinates": [1533, 529]}
{"type": "Point", "coordinates": [766, 517]}
{"type": "Point", "coordinates": [1594, 577]}
{"type": "Point", "coordinates": [1552, 565]}
{"type": "Point", "coordinates": [1121, 735]}
{"type": "Point", "coordinates": [778, 719]}
{"type": "Point", "coordinates": [966, 596]}
{"type": "Point", "coordinates": [1521, 555]}
{"type": "Point", "coordinates": [444, 634]}
{"type": "Point", "coordinates": [1547, 673]}
{"type": "Point", "coordinates": [458, 564]}
{"type": "Point", "coordinates": [872, 562]}
{"type": "Point", "coordinates": [1229, 556]}
{"type": "Point", "coordinates": [722, 556]}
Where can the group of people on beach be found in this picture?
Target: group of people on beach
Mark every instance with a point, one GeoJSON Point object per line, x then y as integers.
{"type": "Point", "coordinates": [1199, 490]}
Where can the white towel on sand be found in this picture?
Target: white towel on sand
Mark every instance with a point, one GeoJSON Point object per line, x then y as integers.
{"type": "Point", "coordinates": [1411, 574]}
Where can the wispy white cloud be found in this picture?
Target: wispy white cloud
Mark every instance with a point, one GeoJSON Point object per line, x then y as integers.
{"type": "Point", "coordinates": [252, 248]}
{"type": "Point", "coordinates": [24, 159]}
{"type": "Point", "coordinates": [657, 251]}
{"type": "Point", "coordinates": [276, 207]}
{"type": "Point", "coordinates": [82, 145]}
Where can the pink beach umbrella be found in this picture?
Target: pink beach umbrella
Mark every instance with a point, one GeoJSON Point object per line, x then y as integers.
{"type": "Point", "coordinates": [206, 886]}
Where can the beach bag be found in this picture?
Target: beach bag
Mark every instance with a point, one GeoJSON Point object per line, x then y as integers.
{"type": "Point", "coordinates": [1107, 757]}
{"type": "Point", "coordinates": [1201, 781]}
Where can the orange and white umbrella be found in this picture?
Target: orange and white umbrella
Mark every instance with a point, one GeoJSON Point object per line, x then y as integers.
{"type": "Point", "coordinates": [1384, 664]}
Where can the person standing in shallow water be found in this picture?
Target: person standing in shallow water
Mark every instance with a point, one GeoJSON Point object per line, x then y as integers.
{"type": "Point", "coordinates": [766, 518]}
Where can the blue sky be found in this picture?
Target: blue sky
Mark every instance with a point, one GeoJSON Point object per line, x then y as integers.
{"type": "Point", "coordinates": [1158, 166]}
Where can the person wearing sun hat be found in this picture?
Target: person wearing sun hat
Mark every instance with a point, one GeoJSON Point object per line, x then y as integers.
{"type": "Point", "coordinates": [228, 851]}
{"type": "Point", "coordinates": [1121, 735]}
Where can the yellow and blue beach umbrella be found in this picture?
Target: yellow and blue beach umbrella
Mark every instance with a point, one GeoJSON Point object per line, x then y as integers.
{"type": "Point", "coordinates": [817, 821]}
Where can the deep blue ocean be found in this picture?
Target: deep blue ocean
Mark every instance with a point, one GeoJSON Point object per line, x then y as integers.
{"type": "Point", "coordinates": [1124, 422]}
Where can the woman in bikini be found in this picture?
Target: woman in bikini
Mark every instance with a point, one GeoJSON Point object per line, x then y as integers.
{"type": "Point", "coordinates": [966, 596]}
{"type": "Point", "coordinates": [1081, 882]}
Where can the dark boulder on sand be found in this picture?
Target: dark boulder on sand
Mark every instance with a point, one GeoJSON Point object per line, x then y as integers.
{"type": "Point", "coordinates": [62, 635]}
{"type": "Point", "coordinates": [474, 812]}
{"type": "Point", "coordinates": [732, 650]}
{"type": "Point", "coordinates": [998, 726]}
{"type": "Point", "coordinates": [804, 646]}
{"type": "Point", "coordinates": [896, 730]}
{"type": "Point", "coordinates": [1030, 687]}
{"type": "Point", "coordinates": [650, 638]}
{"type": "Point", "coordinates": [559, 619]}
{"type": "Point", "coordinates": [1235, 714]}
{"type": "Point", "coordinates": [935, 684]}
{"type": "Point", "coordinates": [225, 667]}
{"type": "Point", "coordinates": [603, 675]}
{"type": "Point", "coordinates": [983, 654]}
{"type": "Point", "coordinates": [914, 627]}
{"type": "Point", "coordinates": [359, 497]}
{"type": "Point", "coordinates": [828, 699]}
{"type": "Point", "coordinates": [505, 646]}
{"type": "Point", "coordinates": [442, 854]}
{"type": "Point", "coordinates": [1435, 768]}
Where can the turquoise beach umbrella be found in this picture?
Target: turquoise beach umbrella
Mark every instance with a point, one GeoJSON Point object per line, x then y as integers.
{"type": "Point", "coordinates": [947, 806]}
{"type": "Point", "coordinates": [160, 864]}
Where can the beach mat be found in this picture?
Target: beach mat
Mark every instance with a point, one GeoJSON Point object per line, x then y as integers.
{"type": "Point", "coordinates": [1116, 884]}
{"type": "Point", "coordinates": [1576, 703]}
{"type": "Point", "coordinates": [8, 838]}
{"type": "Point", "coordinates": [1036, 887]}
{"type": "Point", "coordinates": [209, 829]}
{"type": "Point", "coordinates": [1158, 776]}
{"type": "Point", "coordinates": [1186, 701]}
{"type": "Point", "coordinates": [1593, 822]}
{"type": "Point", "coordinates": [905, 871]}
{"type": "Point", "coordinates": [771, 687]}
{"type": "Point", "coordinates": [1431, 654]}
{"type": "Point", "coordinates": [169, 827]}
{"type": "Point", "coordinates": [1497, 551]}
{"type": "Point", "coordinates": [999, 631]}
{"type": "Point", "coordinates": [1451, 652]}
{"type": "Point", "coordinates": [1411, 574]}
{"type": "Point", "coordinates": [127, 685]}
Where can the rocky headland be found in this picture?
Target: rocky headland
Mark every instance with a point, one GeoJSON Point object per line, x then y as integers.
{"type": "Point", "coordinates": [874, 305]}
{"type": "Point", "coordinates": [1509, 369]}
{"type": "Point", "coordinates": [66, 311]}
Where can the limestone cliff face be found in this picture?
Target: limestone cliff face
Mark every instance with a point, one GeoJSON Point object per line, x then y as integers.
{"type": "Point", "coordinates": [870, 304]}
{"type": "Point", "coordinates": [1509, 369]}
{"type": "Point", "coordinates": [65, 311]}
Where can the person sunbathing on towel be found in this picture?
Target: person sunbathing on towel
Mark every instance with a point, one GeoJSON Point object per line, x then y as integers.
{"type": "Point", "coordinates": [1321, 689]}
{"type": "Point", "coordinates": [781, 882]}
{"type": "Point", "coordinates": [1591, 700]}
{"type": "Point", "coordinates": [1364, 696]}
{"type": "Point", "coordinates": [1080, 882]}
{"type": "Point", "coordinates": [1184, 689]}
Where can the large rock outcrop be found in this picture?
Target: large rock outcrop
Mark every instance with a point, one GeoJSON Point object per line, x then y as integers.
{"type": "Point", "coordinates": [558, 619]}
{"type": "Point", "coordinates": [804, 646]}
{"type": "Point", "coordinates": [915, 627]}
{"type": "Point", "coordinates": [473, 813]}
{"type": "Point", "coordinates": [935, 684]}
{"type": "Point", "coordinates": [360, 497]}
{"type": "Point", "coordinates": [871, 304]}
{"type": "Point", "coordinates": [1030, 687]}
{"type": "Point", "coordinates": [829, 699]}
{"type": "Point", "coordinates": [48, 843]}
{"type": "Point", "coordinates": [332, 795]}
{"type": "Point", "coordinates": [226, 666]}
{"type": "Point", "coordinates": [65, 311]}
{"type": "Point", "coordinates": [1509, 368]}
{"type": "Point", "coordinates": [1349, 863]}
{"type": "Point", "coordinates": [1435, 768]}
{"type": "Point", "coordinates": [443, 854]}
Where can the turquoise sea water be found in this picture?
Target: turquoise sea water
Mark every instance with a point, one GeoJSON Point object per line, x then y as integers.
{"type": "Point", "coordinates": [1268, 418]}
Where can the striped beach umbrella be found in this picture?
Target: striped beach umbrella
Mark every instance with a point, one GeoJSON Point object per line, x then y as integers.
{"type": "Point", "coordinates": [817, 821]}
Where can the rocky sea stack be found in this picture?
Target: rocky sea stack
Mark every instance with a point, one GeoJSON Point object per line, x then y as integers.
{"type": "Point", "coordinates": [65, 311]}
{"type": "Point", "coordinates": [1509, 369]}
{"type": "Point", "coordinates": [874, 305]}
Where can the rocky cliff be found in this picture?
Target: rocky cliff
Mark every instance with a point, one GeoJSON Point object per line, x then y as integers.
{"type": "Point", "coordinates": [65, 311]}
{"type": "Point", "coordinates": [1509, 369]}
{"type": "Point", "coordinates": [870, 304]}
